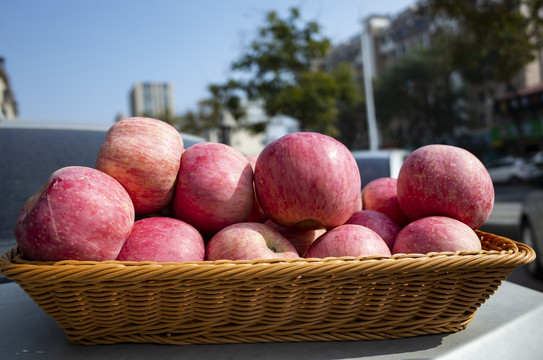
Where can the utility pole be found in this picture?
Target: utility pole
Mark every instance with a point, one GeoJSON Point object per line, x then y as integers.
{"type": "Point", "coordinates": [367, 63]}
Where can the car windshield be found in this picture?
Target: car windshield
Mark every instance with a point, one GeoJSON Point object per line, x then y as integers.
{"type": "Point", "coordinates": [29, 156]}
{"type": "Point", "coordinates": [373, 168]}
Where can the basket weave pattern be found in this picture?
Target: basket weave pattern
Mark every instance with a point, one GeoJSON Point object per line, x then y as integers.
{"type": "Point", "coordinates": [333, 299]}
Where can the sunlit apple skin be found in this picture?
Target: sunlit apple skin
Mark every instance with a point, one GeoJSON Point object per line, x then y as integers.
{"type": "Point", "coordinates": [383, 225]}
{"type": "Point", "coordinates": [308, 180]}
{"type": "Point", "coordinates": [79, 214]}
{"type": "Point", "coordinates": [257, 214]}
{"type": "Point", "coordinates": [143, 154]}
{"type": "Point", "coordinates": [163, 239]}
{"type": "Point", "coordinates": [436, 234]}
{"type": "Point", "coordinates": [214, 187]}
{"type": "Point", "coordinates": [444, 180]}
{"type": "Point", "coordinates": [249, 241]}
{"type": "Point", "coordinates": [381, 195]}
{"type": "Point", "coordinates": [300, 238]}
{"type": "Point", "coordinates": [348, 240]}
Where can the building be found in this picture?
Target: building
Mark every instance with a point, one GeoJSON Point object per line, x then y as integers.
{"type": "Point", "coordinates": [412, 28]}
{"type": "Point", "coordinates": [349, 51]}
{"type": "Point", "coordinates": [494, 117]}
{"type": "Point", "coordinates": [8, 105]}
{"type": "Point", "coordinates": [382, 43]}
{"type": "Point", "coordinates": [518, 117]}
{"type": "Point", "coordinates": [516, 111]}
{"type": "Point", "coordinates": [151, 99]}
{"type": "Point", "coordinates": [391, 38]}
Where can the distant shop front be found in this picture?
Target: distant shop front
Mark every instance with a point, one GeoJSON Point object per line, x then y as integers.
{"type": "Point", "coordinates": [518, 123]}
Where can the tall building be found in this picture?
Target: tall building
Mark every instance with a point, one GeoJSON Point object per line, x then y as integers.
{"type": "Point", "coordinates": [391, 38]}
{"type": "Point", "coordinates": [151, 99]}
{"type": "Point", "coordinates": [8, 105]}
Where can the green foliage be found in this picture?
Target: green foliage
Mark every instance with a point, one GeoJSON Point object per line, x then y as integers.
{"type": "Point", "coordinates": [495, 38]}
{"type": "Point", "coordinates": [227, 97]}
{"type": "Point", "coordinates": [191, 123]}
{"type": "Point", "coordinates": [167, 116]}
{"type": "Point", "coordinates": [224, 97]}
{"type": "Point", "coordinates": [351, 122]}
{"type": "Point", "coordinates": [280, 70]}
{"type": "Point", "coordinates": [283, 49]}
{"type": "Point", "coordinates": [416, 98]}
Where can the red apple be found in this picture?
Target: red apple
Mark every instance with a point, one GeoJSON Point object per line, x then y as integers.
{"type": "Point", "coordinates": [214, 187]}
{"type": "Point", "coordinates": [79, 214]}
{"type": "Point", "coordinates": [257, 214]}
{"type": "Point", "coordinates": [447, 181]}
{"type": "Point", "coordinates": [143, 154]}
{"type": "Point", "coordinates": [348, 240]}
{"type": "Point", "coordinates": [381, 195]}
{"type": "Point", "coordinates": [436, 234]}
{"type": "Point", "coordinates": [308, 180]}
{"type": "Point", "coordinates": [359, 203]}
{"type": "Point", "coordinates": [163, 239]}
{"type": "Point", "coordinates": [300, 238]}
{"type": "Point", "coordinates": [383, 225]}
{"type": "Point", "coordinates": [249, 241]}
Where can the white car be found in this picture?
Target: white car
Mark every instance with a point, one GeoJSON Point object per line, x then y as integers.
{"type": "Point", "coordinates": [381, 163]}
{"type": "Point", "coordinates": [536, 161]}
{"type": "Point", "coordinates": [510, 169]}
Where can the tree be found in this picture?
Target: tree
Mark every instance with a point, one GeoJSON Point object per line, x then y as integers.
{"type": "Point", "coordinates": [351, 107]}
{"type": "Point", "coordinates": [496, 39]}
{"type": "Point", "coordinates": [417, 99]}
{"type": "Point", "coordinates": [167, 116]}
{"type": "Point", "coordinates": [208, 114]}
{"type": "Point", "coordinates": [279, 68]}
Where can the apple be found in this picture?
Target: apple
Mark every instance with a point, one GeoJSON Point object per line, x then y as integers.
{"type": "Point", "coordinates": [214, 187]}
{"type": "Point", "coordinates": [348, 240]}
{"type": "Point", "coordinates": [249, 241]}
{"type": "Point", "coordinates": [383, 225]}
{"type": "Point", "coordinates": [436, 234]}
{"type": "Point", "coordinates": [163, 239]}
{"type": "Point", "coordinates": [445, 180]}
{"type": "Point", "coordinates": [381, 195]}
{"type": "Point", "coordinates": [79, 214]}
{"type": "Point", "coordinates": [143, 154]}
{"type": "Point", "coordinates": [359, 203]}
{"type": "Point", "coordinates": [300, 238]}
{"type": "Point", "coordinates": [257, 214]}
{"type": "Point", "coordinates": [307, 180]}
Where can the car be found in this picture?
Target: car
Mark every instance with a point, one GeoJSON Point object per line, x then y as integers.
{"type": "Point", "coordinates": [374, 164]}
{"type": "Point", "coordinates": [531, 229]}
{"type": "Point", "coordinates": [510, 169]}
{"type": "Point", "coordinates": [31, 150]}
{"type": "Point", "coordinates": [536, 161]}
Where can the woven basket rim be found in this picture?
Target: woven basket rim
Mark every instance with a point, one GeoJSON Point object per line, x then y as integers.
{"type": "Point", "coordinates": [502, 252]}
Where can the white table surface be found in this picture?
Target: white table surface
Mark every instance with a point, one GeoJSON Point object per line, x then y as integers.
{"type": "Point", "coordinates": [508, 326]}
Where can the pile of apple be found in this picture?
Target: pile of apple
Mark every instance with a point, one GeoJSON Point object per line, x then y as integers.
{"type": "Point", "coordinates": [149, 199]}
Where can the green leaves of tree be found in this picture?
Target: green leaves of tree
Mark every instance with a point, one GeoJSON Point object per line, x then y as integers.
{"type": "Point", "coordinates": [416, 98]}
{"type": "Point", "coordinates": [280, 68]}
{"type": "Point", "coordinates": [495, 39]}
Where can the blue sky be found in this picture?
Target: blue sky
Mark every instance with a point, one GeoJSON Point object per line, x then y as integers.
{"type": "Point", "coordinates": [77, 60]}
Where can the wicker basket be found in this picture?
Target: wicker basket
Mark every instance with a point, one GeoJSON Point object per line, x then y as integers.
{"type": "Point", "coordinates": [333, 299]}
